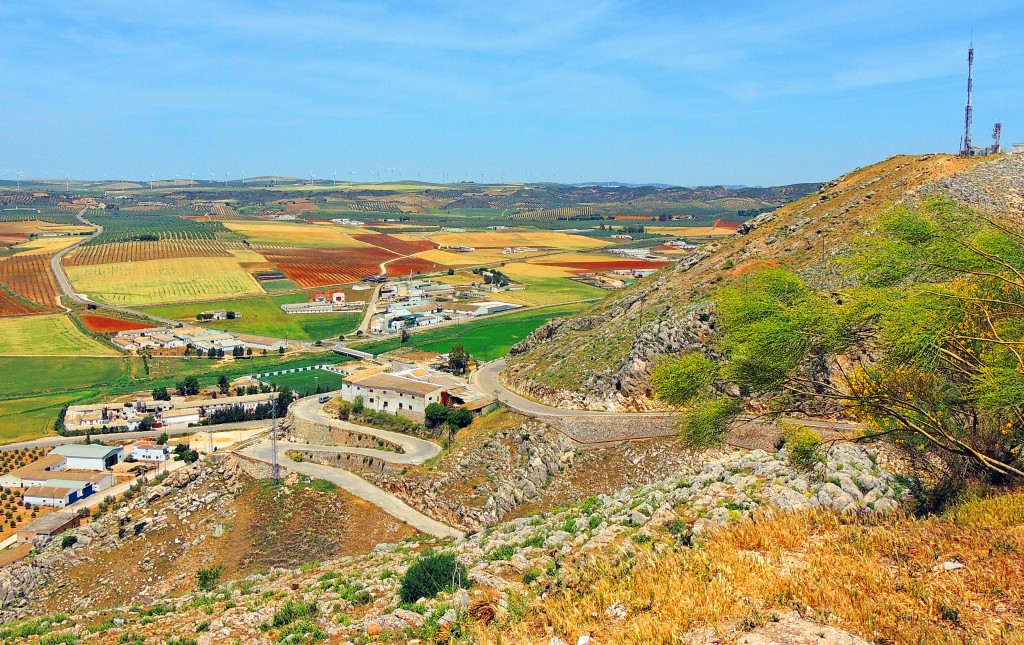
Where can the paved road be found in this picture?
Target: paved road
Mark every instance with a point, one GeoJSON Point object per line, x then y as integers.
{"type": "Point", "coordinates": [414, 451]}
{"type": "Point", "coordinates": [486, 380]}
{"type": "Point", "coordinates": [59, 441]}
{"type": "Point", "coordinates": [57, 266]}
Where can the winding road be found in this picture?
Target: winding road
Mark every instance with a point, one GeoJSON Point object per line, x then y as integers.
{"type": "Point", "coordinates": [414, 451]}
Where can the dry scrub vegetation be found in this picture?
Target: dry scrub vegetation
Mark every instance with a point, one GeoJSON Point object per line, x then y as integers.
{"type": "Point", "coordinates": [890, 580]}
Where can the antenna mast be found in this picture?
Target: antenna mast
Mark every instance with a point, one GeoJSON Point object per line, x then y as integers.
{"type": "Point", "coordinates": [969, 110]}
{"type": "Point", "coordinates": [997, 131]}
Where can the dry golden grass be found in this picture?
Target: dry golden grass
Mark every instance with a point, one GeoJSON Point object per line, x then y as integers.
{"type": "Point", "coordinates": [878, 578]}
{"type": "Point", "coordinates": [45, 245]}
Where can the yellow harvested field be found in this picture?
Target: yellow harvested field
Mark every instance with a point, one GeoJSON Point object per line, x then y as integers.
{"type": "Point", "coordinates": [573, 257]}
{"type": "Point", "coordinates": [155, 282]}
{"type": "Point", "coordinates": [53, 335]}
{"type": "Point", "coordinates": [480, 256]}
{"type": "Point", "coordinates": [296, 234]}
{"type": "Point", "coordinates": [45, 245]}
{"type": "Point", "coordinates": [683, 231]}
{"type": "Point", "coordinates": [501, 239]}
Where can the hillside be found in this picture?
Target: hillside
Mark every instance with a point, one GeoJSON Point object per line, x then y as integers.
{"type": "Point", "coordinates": [692, 558]}
{"type": "Point", "coordinates": [601, 359]}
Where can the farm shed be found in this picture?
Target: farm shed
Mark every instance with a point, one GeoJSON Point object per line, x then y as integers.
{"type": "Point", "coordinates": [89, 456]}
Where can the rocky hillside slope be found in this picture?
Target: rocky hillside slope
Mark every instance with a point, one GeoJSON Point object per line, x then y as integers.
{"type": "Point", "coordinates": [601, 359]}
{"type": "Point", "coordinates": [510, 566]}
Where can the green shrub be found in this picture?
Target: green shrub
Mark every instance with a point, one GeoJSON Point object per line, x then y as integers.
{"type": "Point", "coordinates": [292, 611]}
{"type": "Point", "coordinates": [803, 444]}
{"type": "Point", "coordinates": [530, 575]}
{"type": "Point", "coordinates": [503, 552]}
{"type": "Point", "coordinates": [207, 578]}
{"type": "Point", "coordinates": [706, 423]}
{"type": "Point", "coordinates": [432, 574]}
{"type": "Point", "coordinates": [679, 380]}
{"type": "Point", "coordinates": [68, 541]}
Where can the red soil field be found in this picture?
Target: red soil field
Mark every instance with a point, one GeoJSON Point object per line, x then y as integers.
{"type": "Point", "coordinates": [29, 277]}
{"type": "Point", "coordinates": [11, 306]}
{"type": "Point", "coordinates": [313, 268]}
{"type": "Point", "coordinates": [104, 325]}
{"type": "Point", "coordinates": [608, 265]}
{"type": "Point", "coordinates": [401, 247]}
{"type": "Point", "coordinates": [407, 266]}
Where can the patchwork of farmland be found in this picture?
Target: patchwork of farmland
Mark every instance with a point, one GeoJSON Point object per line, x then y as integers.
{"type": "Point", "coordinates": [412, 265]}
{"type": "Point", "coordinates": [295, 234]}
{"type": "Point", "coordinates": [27, 278]}
{"type": "Point", "coordinates": [500, 239]}
{"type": "Point", "coordinates": [138, 251]}
{"type": "Point", "coordinates": [165, 281]}
{"type": "Point", "coordinates": [395, 244]}
{"type": "Point", "coordinates": [313, 268]}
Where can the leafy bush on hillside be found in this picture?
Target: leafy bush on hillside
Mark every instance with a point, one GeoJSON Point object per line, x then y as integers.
{"type": "Point", "coordinates": [432, 574]}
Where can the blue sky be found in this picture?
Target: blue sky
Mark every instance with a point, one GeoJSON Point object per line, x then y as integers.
{"type": "Point", "coordinates": [686, 93]}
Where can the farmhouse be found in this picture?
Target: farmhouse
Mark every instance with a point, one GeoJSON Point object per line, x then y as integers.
{"type": "Point", "coordinates": [89, 456]}
{"type": "Point", "coordinates": [150, 451]}
{"type": "Point", "coordinates": [388, 393]}
{"type": "Point", "coordinates": [45, 527]}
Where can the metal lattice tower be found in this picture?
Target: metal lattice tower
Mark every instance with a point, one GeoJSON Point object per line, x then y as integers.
{"type": "Point", "coordinates": [997, 131]}
{"type": "Point", "coordinates": [969, 110]}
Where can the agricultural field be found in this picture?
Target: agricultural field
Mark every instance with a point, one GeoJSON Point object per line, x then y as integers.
{"type": "Point", "coordinates": [28, 279]}
{"type": "Point", "coordinates": [412, 265]}
{"type": "Point", "coordinates": [396, 244]}
{"type": "Point", "coordinates": [34, 375]}
{"type": "Point", "coordinates": [46, 245]}
{"type": "Point", "coordinates": [33, 417]}
{"type": "Point", "coordinates": [534, 238]}
{"type": "Point", "coordinates": [547, 285]}
{"type": "Point", "coordinates": [476, 258]}
{"type": "Point", "coordinates": [305, 383]}
{"type": "Point", "coordinates": [104, 325]}
{"type": "Point", "coordinates": [294, 234]}
{"type": "Point", "coordinates": [50, 335]}
{"type": "Point", "coordinates": [140, 226]}
{"type": "Point", "coordinates": [485, 339]}
{"type": "Point", "coordinates": [165, 281]}
{"type": "Point", "coordinates": [264, 317]}
{"type": "Point", "coordinates": [311, 268]}
{"type": "Point", "coordinates": [689, 231]}
{"type": "Point", "coordinates": [143, 250]}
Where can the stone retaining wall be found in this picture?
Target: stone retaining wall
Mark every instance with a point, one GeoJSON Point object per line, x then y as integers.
{"type": "Point", "coordinates": [358, 464]}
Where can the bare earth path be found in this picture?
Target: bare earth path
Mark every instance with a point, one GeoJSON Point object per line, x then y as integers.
{"type": "Point", "coordinates": [415, 451]}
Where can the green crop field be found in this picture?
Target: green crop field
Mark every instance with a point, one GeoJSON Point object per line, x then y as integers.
{"type": "Point", "coordinates": [33, 417]}
{"type": "Point", "coordinates": [278, 285]}
{"type": "Point", "coordinates": [484, 339]}
{"type": "Point", "coordinates": [264, 317]}
{"type": "Point", "coordinates": [305, 383]}
{"type": "Point", "coordinates": [53, 335]}
{"type": "Point", "coordinates": [25, 375]}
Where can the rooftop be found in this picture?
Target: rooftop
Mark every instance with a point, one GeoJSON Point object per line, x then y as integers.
{"type": "Point", "coordinates": [398, 384]}
{"type": "Point", "coordinates": [86, 451]}
{"type": "Point", "coordinates": [47, 524]}
{"type": "Point", "coordinates": [53, 492]}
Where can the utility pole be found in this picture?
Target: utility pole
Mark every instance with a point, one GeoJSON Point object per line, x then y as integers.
{"type": "Point", "coordinates": [275, 469]}
{"type": "Point", "coordinates": [969, 109]}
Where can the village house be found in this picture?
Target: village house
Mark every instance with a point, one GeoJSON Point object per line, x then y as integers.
{"type": "Point", "coordinates": [389, 393]}
{"type": "Point", "coordinates": [43, 528]}
{"type": "Point", "coordinates": [150, 451]}
{"type": "Point", "coordinates": [58, 493]}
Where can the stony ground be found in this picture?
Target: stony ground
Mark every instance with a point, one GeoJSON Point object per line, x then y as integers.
{"type": "Point", "coordinates": [354, 598]}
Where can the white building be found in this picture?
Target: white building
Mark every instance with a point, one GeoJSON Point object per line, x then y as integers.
{"type": "Point", "coordinates": [180, 417]}
{"type": "Point", "coordinates": [387, 393]}
{"type": "Point", "coordinates": [151, 451]}
{"type": "Point", "coordinates": [89, 456]}
{"type": "Point", "coordinates": [58, 493]}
